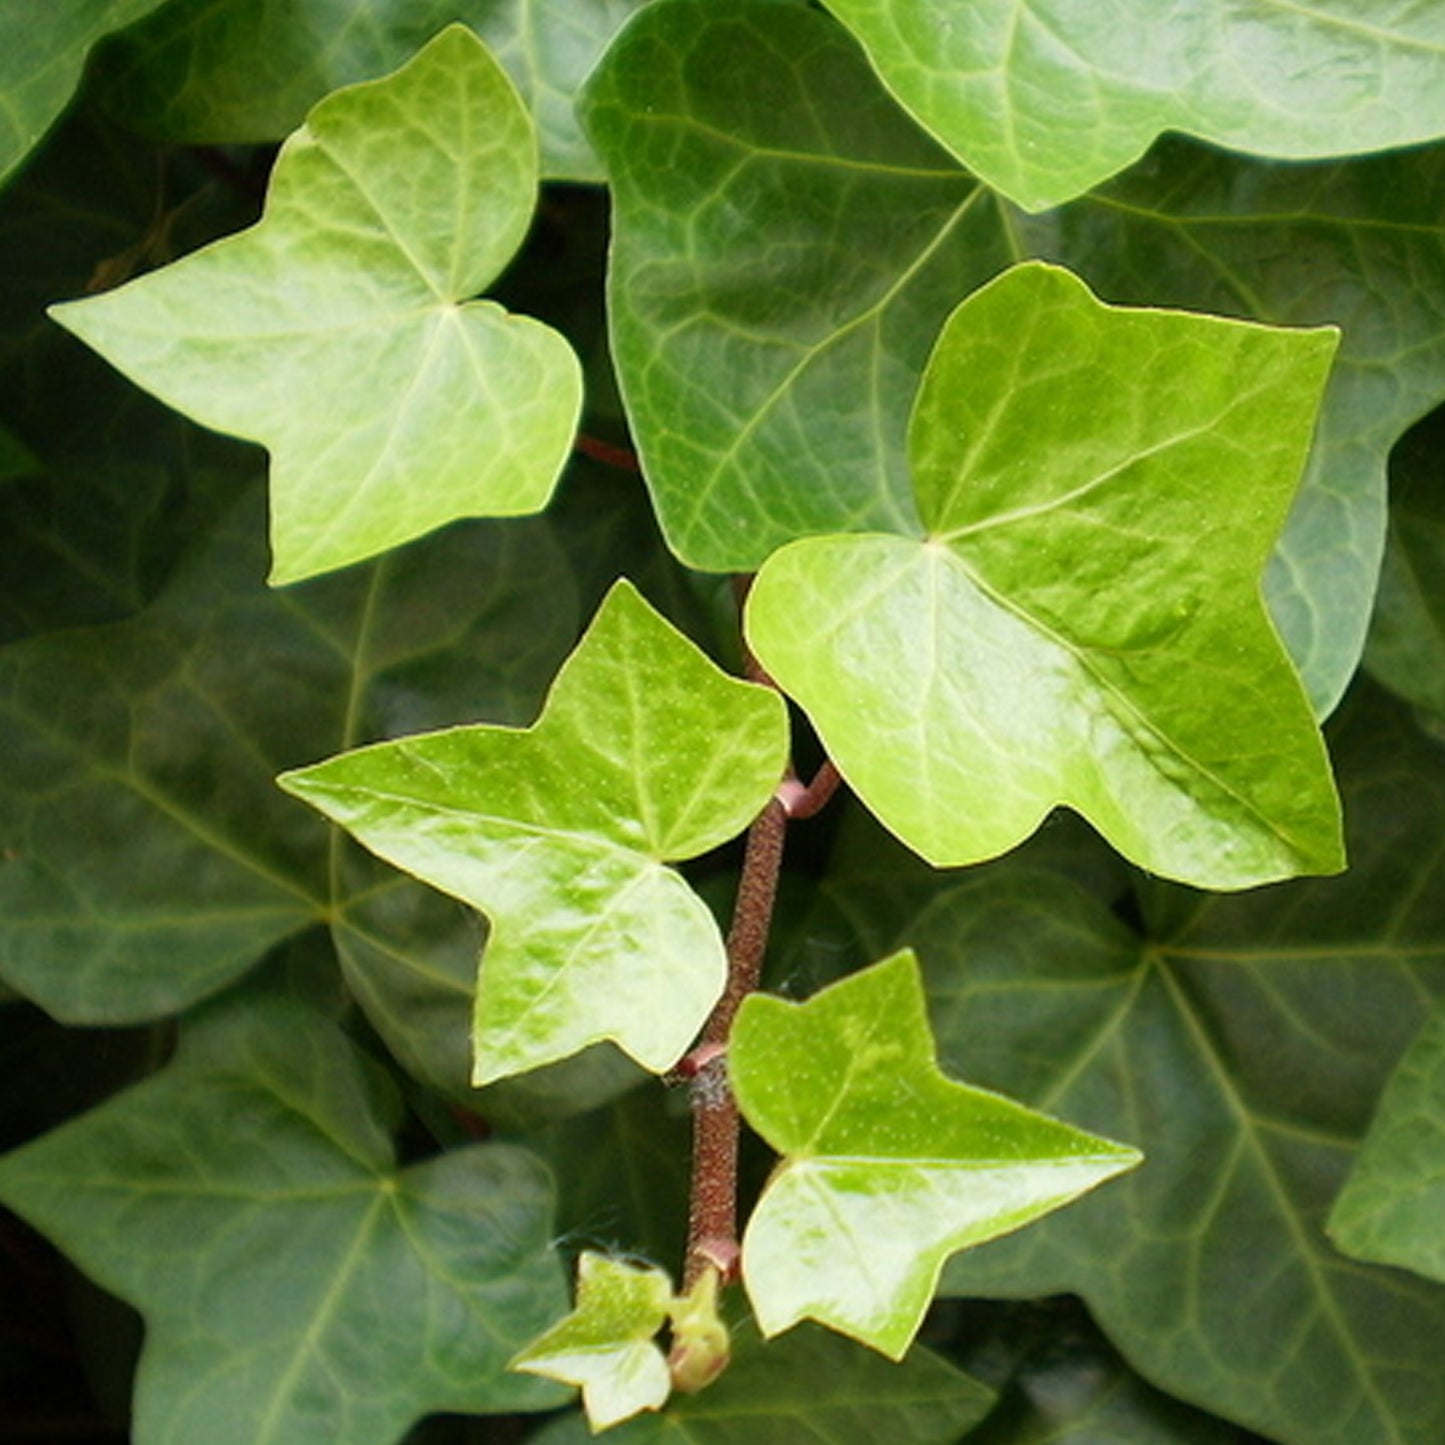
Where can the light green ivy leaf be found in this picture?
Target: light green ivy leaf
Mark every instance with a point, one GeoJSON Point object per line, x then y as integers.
{"type": "Point", "coordinates": [607, 1344]}
{"type": "Point", "coordinates": [813, 1385]}
{"type": "Point", "coordinates": [1392, 1206]}
{"type": "Point", "coordinates": [967, 683]}
{"type": "Point", "coordinates": [339, 332]}
{"type": "Point", "coordinates": [888, 1165]}
{"type": "Point", "coordinates": [1045, 99]}
{"type": "Point", "coordinates": [754, 153]}
{"type": "Point", "coordinates": [43, 48]}
{"type": "Point", "coordinates": [645, 753]}
{"type": "Point", "coordinates": [1362, 248]}
{"type": "Point", "coordinates": [203, 72]}
{"type": "Point", "coordinates": [298, 1287]}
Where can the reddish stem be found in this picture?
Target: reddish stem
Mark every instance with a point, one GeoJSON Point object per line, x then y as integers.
{"type": "Point", "coordinates": [621, 457]}
{"type": "Point", "coordinates": [712, 1219]}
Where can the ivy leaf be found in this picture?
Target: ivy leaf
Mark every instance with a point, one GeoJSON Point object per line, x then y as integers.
{"type": "Point", "coordinates": [744, 143]}
{"type": "Point", "coordinates": [1242, 1042]}
{"type": "Point", "coordinates": [888, 1166]}
{"type": "Point", "coordinates": [606, 1345]}
{"type": "Point", "coordinates": [645, 753]}
{"type": "Point", "coordinates": [202, 72]}
{"type": "Point", "coordinates": [967, 683]}
{"type": "Point", "coordinates": [337, 331]}
{"type": "Point", "coordinates": [149, 857]}
{"type": "Point", "coordinates": [810, 1384]}
{"type": "Point", "coordinates": [43, 49]}
{"type": "Point", "coordinates": [1391, 1207]}
{"type": "Point", "coordinates": [260, 1253]}
{"type": "Point", "coordinates": [768, 104]}
{"type": "Point", "coordinates": [1044, 101]}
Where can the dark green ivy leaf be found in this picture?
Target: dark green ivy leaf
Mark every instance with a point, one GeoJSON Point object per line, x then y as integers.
{"type": "Point", "coordinates": [150, 858]}
{"type": "Point", "coordinates": [298, 1287]}
{"type": "Point", "coordinates": [43, 48]}
{"type": "Point", "coordinates": [1392, 1208]}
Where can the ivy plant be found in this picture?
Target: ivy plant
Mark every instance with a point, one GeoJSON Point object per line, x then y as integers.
{"type": "Point", "coordinates": [716, 725]}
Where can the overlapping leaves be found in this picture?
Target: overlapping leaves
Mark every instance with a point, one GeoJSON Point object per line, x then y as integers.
{"type": "Point", "coordinates": [296, 1284]}
{"type": "Point", "coordinates": [753, 155]}
{"type": "Point", "coordinates": [645, 753]}
{"type": "Point", "coordinates": [967, 683]}
{"type": "Point", "coordinates": [888, 1166]}
{"type": "Point", "coordinates": [339, 331]}
{"type": "Point", "coordinates": [1044, 100]}
{"type": "Point", "coordinates": [43, 49]}
{"type": "Point", "coordinates": [1390, 1211]}
{"type": "Point", "coordinates": [809, 1383]}
{"type": "Point", "coordinates": [1241, 1043]}
{"type": "Point", "coordinates": [150, 858]}
{"type": "Point", "coordinates": [246, 70]}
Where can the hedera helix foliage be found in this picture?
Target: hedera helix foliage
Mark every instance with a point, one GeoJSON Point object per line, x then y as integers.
{"type": "Point", "coordinates": [922, 765]}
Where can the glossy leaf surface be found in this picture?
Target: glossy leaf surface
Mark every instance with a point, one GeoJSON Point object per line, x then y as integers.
{"type": "Point", "coordinates": [1044, 100]}
{"type": "Point", "coordinates": [43, 49]}
{"type": "Point", "coordinates": [246, 70]}
{"type": "Point", "coordinates": [296, 1283]}
{"type": "Point", "coordinates": [808, 1384]}
{"type": "Point", "coordinates": [754, 155]}
{"type": "Point", "coordinates": [1356, 244]}
{"type": "Point", "coordinates": [1242, 1044]}
{"type": "Point", "coordinates": [968, 683]}
{"type": "Point", "coordinates": [607, 1345]}
{"type": "Point", "coordinates": [1390, 1210]}
{"type": "Point", "coordinates": [888, 1166]}
{"type": "Point", "coordinates": [645, 753]}
{"type": "Point", "coordinates": [339, 333]}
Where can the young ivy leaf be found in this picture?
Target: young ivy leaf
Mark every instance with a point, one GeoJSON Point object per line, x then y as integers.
{"type": "Point", "coordinates": [888, 1165]}
{"type": "Point", "coordinates": [1083, 624]}
{"type": "Point", "coordinates": [1044, 100]}
{"type": "Point", "coordinates": [607, 1345]}
{"type": "Point", "coordinates": [645, 753]}
{"type": "Point", "coordinates": [338, 331]}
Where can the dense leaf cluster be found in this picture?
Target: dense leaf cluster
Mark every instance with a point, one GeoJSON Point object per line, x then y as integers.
{"type": "Point", "coordinates": [1036, 372]}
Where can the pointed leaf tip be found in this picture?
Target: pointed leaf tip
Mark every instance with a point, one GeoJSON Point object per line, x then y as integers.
{"type": "Point", "coordinates": [888, 1166]}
